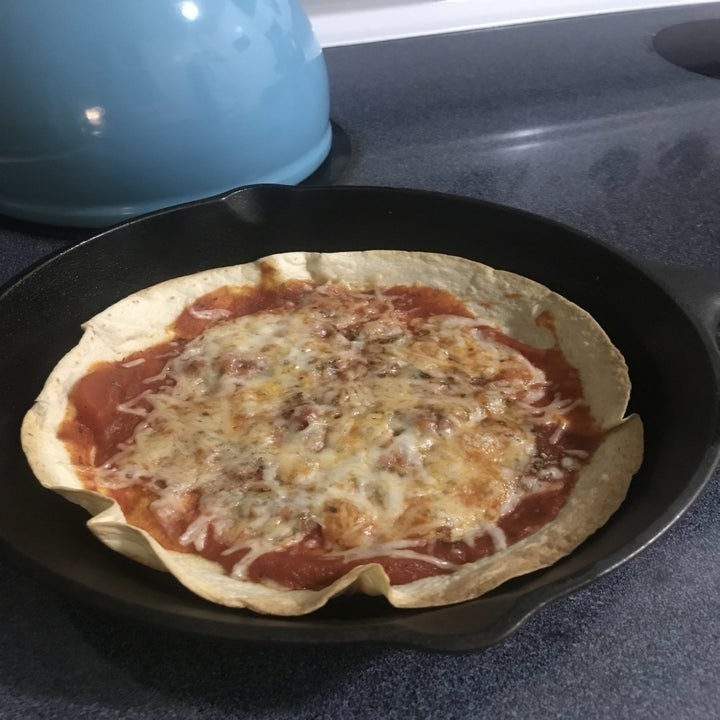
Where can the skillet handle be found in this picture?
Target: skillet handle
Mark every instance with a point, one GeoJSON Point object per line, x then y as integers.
{"type": "Point", "coordinates": [696, 289]}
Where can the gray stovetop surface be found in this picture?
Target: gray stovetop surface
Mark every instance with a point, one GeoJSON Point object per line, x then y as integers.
{"type": "Point", "coordinates": [579, 121]}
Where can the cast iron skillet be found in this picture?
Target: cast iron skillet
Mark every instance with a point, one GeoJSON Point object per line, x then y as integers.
{"type": "Point", "coordinates": [670, 349]}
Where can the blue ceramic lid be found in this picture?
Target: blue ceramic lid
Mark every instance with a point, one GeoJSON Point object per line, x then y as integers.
{"type": "Point", "coordinates": [112, 110]}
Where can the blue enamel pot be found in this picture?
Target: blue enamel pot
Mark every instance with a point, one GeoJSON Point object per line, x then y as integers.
{"type": "Point", "coordinates": [109, 110]}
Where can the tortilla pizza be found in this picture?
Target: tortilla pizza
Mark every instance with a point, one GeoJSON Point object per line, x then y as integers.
{"type": "Point", "coordinates": [274, 434]}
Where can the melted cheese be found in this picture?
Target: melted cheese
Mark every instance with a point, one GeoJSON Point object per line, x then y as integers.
{"type": "Point", "coordinates": [381, 430]}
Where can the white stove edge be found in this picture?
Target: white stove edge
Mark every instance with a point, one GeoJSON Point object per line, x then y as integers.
{"type": "Point", "coordinates": [350, 22]}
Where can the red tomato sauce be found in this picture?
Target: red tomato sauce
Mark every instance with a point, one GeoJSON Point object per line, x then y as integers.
{"type": "Point", "coordinates": [306, 566]}
{"type": "Point", "coordinates": [96, 423]}
{"type": "Point", "coordinates": [94, 428]}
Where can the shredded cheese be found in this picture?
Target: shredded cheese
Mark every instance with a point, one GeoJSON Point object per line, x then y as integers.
{"type": "Point", "coordinates": [345, 416]}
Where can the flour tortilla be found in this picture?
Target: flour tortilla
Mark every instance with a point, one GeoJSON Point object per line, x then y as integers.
{"type": "Point", "coordinates": [510, 301]}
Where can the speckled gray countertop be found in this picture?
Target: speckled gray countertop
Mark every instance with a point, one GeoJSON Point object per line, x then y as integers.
{"type": "Point", "coordinates": [579, 121]}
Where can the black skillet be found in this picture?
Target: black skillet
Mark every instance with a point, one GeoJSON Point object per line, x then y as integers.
{"type": "Point", "coordinates": [665, 328]}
